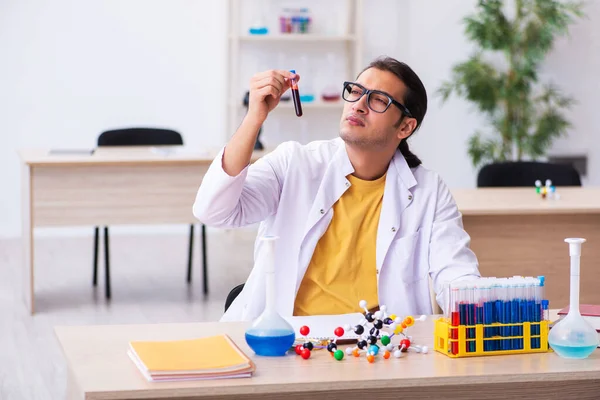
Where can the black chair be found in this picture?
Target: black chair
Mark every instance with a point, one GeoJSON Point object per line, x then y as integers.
{"type": "Point", "coordinates": [144, 137]}
{"type": "Point", "coordinates": [525, 173]}
{"type": "Point", "coordinates": [232, 295]}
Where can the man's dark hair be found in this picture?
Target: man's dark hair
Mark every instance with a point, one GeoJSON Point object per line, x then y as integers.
{"type": "Point", "coordinates": [415, 98]}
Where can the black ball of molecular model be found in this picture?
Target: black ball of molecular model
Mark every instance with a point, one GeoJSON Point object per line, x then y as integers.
{"type": "Point", "coordinates": [374, 328]}
{"type": "Point", "coordinates": [305, 349]}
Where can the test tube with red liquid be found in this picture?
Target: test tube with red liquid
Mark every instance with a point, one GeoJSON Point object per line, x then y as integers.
{"type": "Point", "coordinates": [296, 95]}
{"type": "Point", "coordinates": [455, 318]}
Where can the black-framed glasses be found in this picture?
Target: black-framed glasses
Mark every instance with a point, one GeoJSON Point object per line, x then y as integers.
{"type": "Point", "coordinates": [377, 100]}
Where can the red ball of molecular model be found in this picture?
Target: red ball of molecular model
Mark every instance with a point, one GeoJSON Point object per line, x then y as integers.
{"type": "Point", "coordinates": [305, 349]}
{"type": "Point", "coordinates": [374, 328]}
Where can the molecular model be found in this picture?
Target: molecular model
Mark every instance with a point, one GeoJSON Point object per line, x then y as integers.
{"type": "Point", "coordinates": [374, 328]}
{"type": "Point", "coordinates": [547, 191]}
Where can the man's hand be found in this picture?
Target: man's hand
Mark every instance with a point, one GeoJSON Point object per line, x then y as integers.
{"type": "Point", "coordinates": [266, 89]}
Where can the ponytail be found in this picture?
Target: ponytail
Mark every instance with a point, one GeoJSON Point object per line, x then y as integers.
{"type": "Point", "coordinates": [411, 159]}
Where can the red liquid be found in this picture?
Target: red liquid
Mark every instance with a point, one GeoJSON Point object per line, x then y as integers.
{"type": "Point", "coordinates": [454, 348]}
{"type": "Point", "coordinates": [296, 97]}
{"type": "Point", "coordinates": [454, 332]}
{"type": "Point", "coordinates": [455, 318]}
{"type": "Point", "coordinates": [331, 97]}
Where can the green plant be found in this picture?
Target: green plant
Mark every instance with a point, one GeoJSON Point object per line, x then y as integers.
{"type": "Point", "coordinates": [525, 115]}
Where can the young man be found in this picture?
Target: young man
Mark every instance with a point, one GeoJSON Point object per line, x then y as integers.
{"type": "Point", "coordinates": [357, 217]}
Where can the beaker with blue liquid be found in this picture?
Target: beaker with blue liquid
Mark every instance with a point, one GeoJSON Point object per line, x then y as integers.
{"type": "Point", "coordinates": [270, 334]}
{"type": "Point", "coordinates": [573, 336]}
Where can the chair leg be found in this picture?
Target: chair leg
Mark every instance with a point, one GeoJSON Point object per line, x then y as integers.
{"type": "Point", "coordinates": [204, 262]}
{"type": "Point", "coordinates": [96, 240]}
{"type": "Point", "coordinates": [190, 255]}
{"type": "Point", "coordinates": [106, 263]}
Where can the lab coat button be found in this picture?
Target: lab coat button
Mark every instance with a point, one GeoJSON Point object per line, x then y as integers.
{"type": "Point", "coordinates": [347, 184]}
{"type": "Point", "coordinates": [409, 197]}
{"type": "Point", "coordinates": [322, 211]}
{"type": "Point", "coordinates": [393, 229]}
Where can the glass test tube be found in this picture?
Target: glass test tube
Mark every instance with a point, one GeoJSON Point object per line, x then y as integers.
{"type": "Point", "coordinates": [454, 317]}
{"type": "Point", "coordinates": [296, 95]}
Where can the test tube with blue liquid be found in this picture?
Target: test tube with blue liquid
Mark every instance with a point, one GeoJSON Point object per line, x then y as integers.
{"type": "Point", "coordinates": [488, 315]}
{"type": "Point", "coordinates": [479, 300]}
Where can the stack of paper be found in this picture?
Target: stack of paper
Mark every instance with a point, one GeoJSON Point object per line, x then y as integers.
{"type": "Point", "coordinates": [322, 327]}
{"type": "Point", "coordinates": [589, 312]}
{"type": "Point", "coordinates": [205, 358]}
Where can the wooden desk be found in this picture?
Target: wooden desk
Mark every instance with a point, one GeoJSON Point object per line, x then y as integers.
{"type": "Point", "coordinates": [99, 368]}
{"type": "Point", "coordinates": [513, 231]}
{"type": "Point", "coordinates": [113, 186]}
{"type": "Point", "coordinates": [516, 232]}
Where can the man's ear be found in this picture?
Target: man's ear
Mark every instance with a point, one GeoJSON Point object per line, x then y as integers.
{"type": "Point", "coordinates": [406, 128]}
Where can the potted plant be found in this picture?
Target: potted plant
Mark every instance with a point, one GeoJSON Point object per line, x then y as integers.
{"type": "Point", "coordinates": [524, 114]}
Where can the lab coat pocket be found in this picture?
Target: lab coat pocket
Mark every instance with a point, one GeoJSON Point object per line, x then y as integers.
{"type": "Point", "coordinates": [406, 260]}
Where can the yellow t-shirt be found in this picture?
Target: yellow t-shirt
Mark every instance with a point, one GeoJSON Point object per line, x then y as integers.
{"type": "Point", "coordinates": [343, 270]}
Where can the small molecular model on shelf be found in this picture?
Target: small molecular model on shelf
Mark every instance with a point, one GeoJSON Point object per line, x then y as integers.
{"type": "Point", "coordinates": [375, 332]}
{"type": "Point", "coordinates": [548, 191]}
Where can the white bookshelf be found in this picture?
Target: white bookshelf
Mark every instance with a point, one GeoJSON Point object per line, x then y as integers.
{"type": "Point", "coordinates": [345, 42]}
{"type": "Point", "coordinates": [315, 105]}
{"type": "Point", "coordinates": [294, 38]}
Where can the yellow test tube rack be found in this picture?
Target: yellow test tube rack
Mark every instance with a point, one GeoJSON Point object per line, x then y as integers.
{"type": "Point", "coordinates": [460, 345]}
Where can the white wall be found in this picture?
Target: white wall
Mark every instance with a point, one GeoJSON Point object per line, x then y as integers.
{"type": "Point", "coordinates": [70, 69]}
{"type": "Point", "coordinates": [574, 65]}
{"type": "Point", "coordinates": [437, 42]}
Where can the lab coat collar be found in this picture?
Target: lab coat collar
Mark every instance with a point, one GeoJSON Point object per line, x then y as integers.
{"type": "Point", "coordinates": [403, 171]}
{"type": "Point", "coordinates": [341, 164]}
{"type": "Point", "coordinates": [335, 183]}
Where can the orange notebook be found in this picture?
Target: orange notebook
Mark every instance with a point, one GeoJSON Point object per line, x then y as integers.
{"type": "Point", "coordinates": [203, 358]}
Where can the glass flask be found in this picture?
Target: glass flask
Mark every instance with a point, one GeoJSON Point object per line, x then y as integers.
{"type": "Point", "coordinates": [270, 334]}
{"type": "Point", "coordinates": [573, 336]}
{"type": "Point", "coordinates": [281, 64]}
{"type": "Point", "coordinates": [333, 89]}
{"type": "Point", "coordinates": [306, 84]}
{"type": "Point", "coordinates": [259, 25]}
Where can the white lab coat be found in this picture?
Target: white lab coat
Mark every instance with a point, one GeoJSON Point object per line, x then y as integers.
{"type": "Point", "coordinates": [291, 192]}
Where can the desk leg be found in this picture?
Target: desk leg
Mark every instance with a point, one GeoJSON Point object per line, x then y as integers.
{"type": "Point", "coordinates": [204, 260]}
{"type": "Point", "coordinates": [73, 390]}
{"type": "Point", "coordinates": [27, 236]}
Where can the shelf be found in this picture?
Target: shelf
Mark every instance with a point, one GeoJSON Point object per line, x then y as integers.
{"type": "Point", "coordinates": [315, 105]}
{"type": "Point", "coordinates": [342, 36]}
{"type": "Point", "coordinates": [293, 38]}
{"type": "Point", "coordinates": [312, 105]}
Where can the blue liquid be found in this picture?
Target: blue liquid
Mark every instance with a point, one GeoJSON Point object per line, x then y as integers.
{"type": "Point", "coordinates": [573, 351]}
{"type": "Point", "coordinates": [307, 98]}
{"type": "Point", "coordinates": [258, 31]}
{"type": "Point", "coordinates": [277, 343]}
